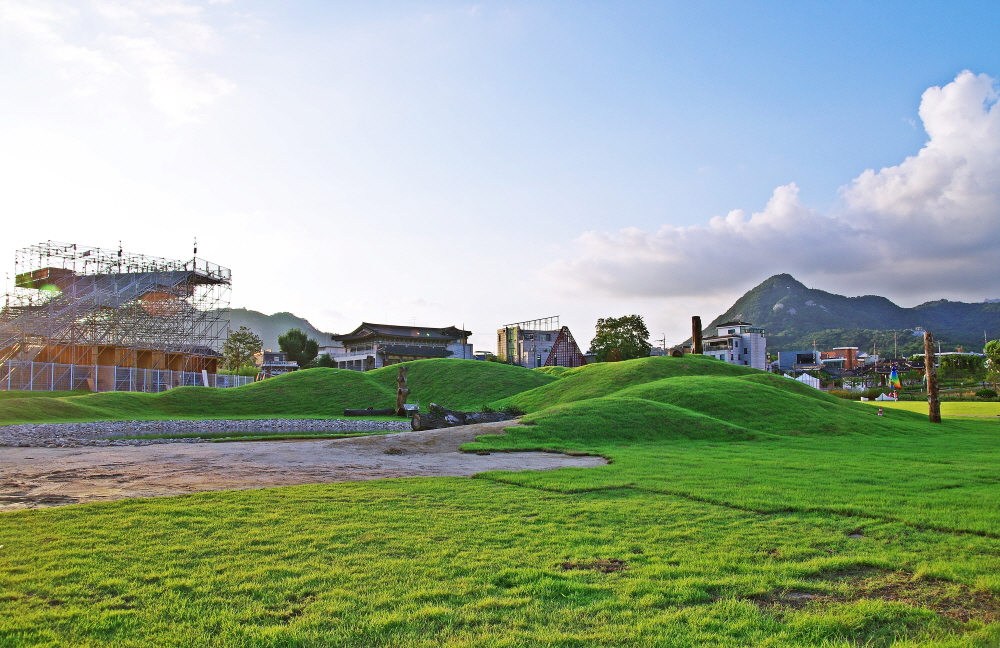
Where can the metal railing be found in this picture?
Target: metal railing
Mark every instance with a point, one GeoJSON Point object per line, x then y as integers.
{"type": "Point", "coordinates": [24, 375]}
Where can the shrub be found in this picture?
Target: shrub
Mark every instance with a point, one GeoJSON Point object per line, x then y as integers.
{"type": "Point", "coordinates": [986, 393]}
{"type": "Point", "coordinates": [513, 410]}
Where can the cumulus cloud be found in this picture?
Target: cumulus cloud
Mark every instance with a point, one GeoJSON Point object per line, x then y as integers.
{"type": "Point", "coordinates": [150, 47]}
{"type": "Point", "coordinates": [931, 223]}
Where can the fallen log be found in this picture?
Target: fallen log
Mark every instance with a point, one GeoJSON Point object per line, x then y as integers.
{"type": "Point", "coordinates": [370, 412]}
{"type": "Point", "coordinates": [442, 417]}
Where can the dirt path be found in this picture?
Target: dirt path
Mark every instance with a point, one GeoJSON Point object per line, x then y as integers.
{"type": "Point", "coordinates": [39, 477]}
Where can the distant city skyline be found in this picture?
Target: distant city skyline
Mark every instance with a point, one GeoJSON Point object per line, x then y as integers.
{"type": "Point", "coordinates": [482, 163]}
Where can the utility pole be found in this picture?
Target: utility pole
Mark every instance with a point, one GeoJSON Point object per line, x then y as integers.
{"type": "Point", "coordinates": [933, 403]}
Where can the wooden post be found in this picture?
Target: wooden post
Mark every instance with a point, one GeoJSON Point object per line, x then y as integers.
{"type": "Point", "coordinates": [401, 391]}
{"type": "Point", "coordinates": [696, 335]}
{"type": "Point", "coordinates": [933, 403]}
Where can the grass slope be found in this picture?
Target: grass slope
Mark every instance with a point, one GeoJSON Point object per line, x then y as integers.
{"type": "Point", "coordinates": [739, 509]}
{"type": "Point", "coordinates": [320, 393]}
{"type": "Point", "coordinates": [460, 384]}
{"type": "Point", "coordinates": [6, 395]}
{"type": "Point", "coordinates": [601, 379]}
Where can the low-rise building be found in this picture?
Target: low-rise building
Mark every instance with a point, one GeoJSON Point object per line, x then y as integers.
{"type": "Point", "coordinates": [791, 361]}
{"type": "Point", "coordinates": [538, 347]}
{"type": "Point", "coordinates": [371, 346]}
{"type": "Point", "coordinates": [843, 358]}
{"type": "Point", "coordinates": [738, 343]}
{"type": "Point", "coordinates": [274, 363]}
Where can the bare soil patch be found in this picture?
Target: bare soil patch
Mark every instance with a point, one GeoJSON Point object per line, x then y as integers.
{"type": "Point", "coordinates": [949, 599]}
{"type": "Point", "coordinates": [603, 565]}
{"type": "Point", "coordinates": [41, 477]}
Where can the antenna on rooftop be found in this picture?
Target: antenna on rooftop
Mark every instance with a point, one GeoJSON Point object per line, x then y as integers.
{"type": "Point", "coordinates": [196, 246]}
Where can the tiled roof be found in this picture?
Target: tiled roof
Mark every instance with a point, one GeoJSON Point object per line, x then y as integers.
{"type": "Point", "coordinates": [369, 330]}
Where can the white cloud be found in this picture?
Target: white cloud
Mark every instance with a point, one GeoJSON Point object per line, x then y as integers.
{"type": "Point", "coordinates": [932, 223]}
{"type": "Point", "coordinates": [148, 48]}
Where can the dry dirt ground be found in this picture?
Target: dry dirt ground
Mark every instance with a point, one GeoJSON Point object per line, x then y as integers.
{"type": "Point", "coordinates": [39, 477]}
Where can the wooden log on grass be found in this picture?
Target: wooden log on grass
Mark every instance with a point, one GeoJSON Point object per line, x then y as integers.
{"type": "Point", "coordinates": [442, 417]}
{"type": "Point", "coordinates": [401, 391]}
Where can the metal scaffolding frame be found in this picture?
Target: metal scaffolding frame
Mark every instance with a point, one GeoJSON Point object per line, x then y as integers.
{"type": "Point", "coordinates": [540, 324]}
{"type": "Point", "coordinates": [82, 305]}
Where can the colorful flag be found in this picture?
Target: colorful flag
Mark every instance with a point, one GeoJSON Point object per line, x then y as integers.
{"type": "Point", "coordinates": [894, 380]}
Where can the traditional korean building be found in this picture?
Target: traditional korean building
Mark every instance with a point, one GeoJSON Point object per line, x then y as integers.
{"type": "Point", "coordinates": [371, 346]}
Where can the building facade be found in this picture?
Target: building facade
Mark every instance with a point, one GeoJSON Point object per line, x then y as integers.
{"type": "Point", "coordinates": [535, 348]}
{"type": "Point", "coordinates": [843, 358]}
{"type": "Point", "coordinates": [791, 361]}
{"type": "Point", "coordinates": [274, 363]}
{"type": "Point", "coordinates": [371, 346]}
{"type": "Point", "coordinates": [738, 343]}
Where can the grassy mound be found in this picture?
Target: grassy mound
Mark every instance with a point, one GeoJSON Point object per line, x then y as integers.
{"type": "Point", "coordinates": [553, 371]}
{"type": "Point", "coordinates": [605, 378]}
{"type": "Point", "coordinates": [613, 420]}
{"type": "Point", "coordinates": [320, 393]}
{"type": "Point", "coordinates": [762, 403]}
{"type": "Point", "coordinates": [461, 384]}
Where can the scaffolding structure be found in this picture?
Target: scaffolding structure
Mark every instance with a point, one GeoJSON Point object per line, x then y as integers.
{"type": "Point", "coordinates": [540, 324]}
{"type": "Point", "coordinates": [86, 306]}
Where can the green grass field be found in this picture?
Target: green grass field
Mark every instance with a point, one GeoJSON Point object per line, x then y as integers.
{"type": "Point", "coordinates": [739, 509]}
{"type": "Point", "coordinates": [314, 393]}
{"type": "Point", "coordinates": [955, 408]}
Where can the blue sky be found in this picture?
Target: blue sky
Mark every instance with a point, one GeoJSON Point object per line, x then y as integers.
{"type": "Point", "coordinates": [481, 163]}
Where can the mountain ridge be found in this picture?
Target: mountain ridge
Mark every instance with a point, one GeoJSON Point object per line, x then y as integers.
{"type": "Point", "coordinates": [269, 327]}
{"type": "Point", "coordinates": [794, 316]}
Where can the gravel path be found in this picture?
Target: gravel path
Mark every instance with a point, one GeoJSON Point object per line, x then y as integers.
{"type": "Point", "coordinates": [73, 435]}
{"type": "Point", "coordinates": [42, 476]}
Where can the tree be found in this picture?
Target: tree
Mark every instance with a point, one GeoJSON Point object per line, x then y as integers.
{"type": "Point", "coordinates": [326, 361]}
{"type": "Point", "coordinates": [992, 351]}
{"type": "Point", "coordinates": [300, 348]}
{"type": "Point", "coordinates": [620, 338]}
{"type": "Point", "coordinates": [240, 348]}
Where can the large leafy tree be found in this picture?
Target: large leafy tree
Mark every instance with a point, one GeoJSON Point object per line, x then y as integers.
{"type": "Point", "coordinates": [620, 338]}
{"type": "Point", "coordinates": [240, 348]}
{"type": "Point", "coordinates": [300, 348]}
{"type": "Point", "coordinates": [992, 351]}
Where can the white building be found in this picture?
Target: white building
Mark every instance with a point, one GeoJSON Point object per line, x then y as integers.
{"type": "Point", "coordinates": [738, 343]}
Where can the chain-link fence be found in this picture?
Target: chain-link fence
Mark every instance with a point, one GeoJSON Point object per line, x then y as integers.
{"type": "Point", "coordinates": [46, 376]}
